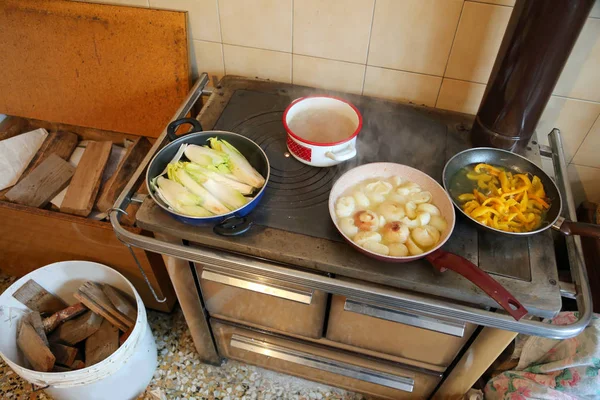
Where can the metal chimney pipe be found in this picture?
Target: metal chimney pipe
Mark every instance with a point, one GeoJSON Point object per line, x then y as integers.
{"type": "Point", "coordinates": [536, 45]}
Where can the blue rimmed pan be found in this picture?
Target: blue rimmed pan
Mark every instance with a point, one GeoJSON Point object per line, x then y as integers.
{"type": "Point", "coordinates": [234, 222]}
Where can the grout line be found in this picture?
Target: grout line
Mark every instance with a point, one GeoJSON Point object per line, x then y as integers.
{"type": "Point", "coordinates": [585, 137]}
{"type": "Point", "coordinates": [488, 3]}
{"type": "Point", "coordinates": [581, 165]}
{"type": "Point", "coordinates": [292, 53]}
{"type": "Point", "coordinates": [362, 90]}
{"type": "Point", "coordinates": [221, 34]}
{"type": "Point", "coordinates": [575, 98]}
{"type": "Point", "coordinates": [450, 52]}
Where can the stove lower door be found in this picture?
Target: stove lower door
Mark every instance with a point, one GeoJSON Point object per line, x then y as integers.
{"type": "Point", "coordinates": [326, 365]}
{"type": "Point", "coordinates": [271, 304]}
{"type": "Point", "coordinates": [399, 333]}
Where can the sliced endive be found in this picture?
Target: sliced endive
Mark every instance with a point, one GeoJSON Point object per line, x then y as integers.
{"type": "Point", "coordinates": [220, 177]}
{"type": "Point", "coordinates": [205, 155]}
{"type": "Point", "coordinates": [206, 199]}
{"type": "Point", "coordinates": [179, 198]}
{"type": "Point", "coordinates": [229, 196]}
{"type": "Point", "coordinates": [237, 163]}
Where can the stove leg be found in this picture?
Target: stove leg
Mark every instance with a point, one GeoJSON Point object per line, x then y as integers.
{"type": "Point", "coordinates": [488, 345]}
{"type": "Point", "coordinates": [181, 276]}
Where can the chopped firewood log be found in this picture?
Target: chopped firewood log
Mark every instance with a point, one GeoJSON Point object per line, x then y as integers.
{"type": "Point", "coordinates": [92, 296]}
{"type": "Point", "coordinates": [125, 336]}
{"type": "Point", "coordinates": [101, 344]}
{"type": "Point", "coordinates": [61, 368]}
{"type": "Point", "coordinates": [66, 314]}
{"type": "Point", "coordinates": [77, 364]}
{"type": "Point", "coordinates": [38, 299]}
{"type": "Point", "coordinates": [77, 329]}
{"type": "Point", "coordinates": [33, 347]}
{"type": "Point", "coordinates": [120, 301]}
{"type": "Point", "coordinates": [35, 320]}
{"type": "Point", "coordinates": [65, 355]}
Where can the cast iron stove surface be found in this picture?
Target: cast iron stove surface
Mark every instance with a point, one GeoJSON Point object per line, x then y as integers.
{"type": "Point", "coordinates": [297, 194]}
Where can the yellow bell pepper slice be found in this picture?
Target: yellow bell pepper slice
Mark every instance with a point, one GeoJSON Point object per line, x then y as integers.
{"type": "Point", "coordinates": [466, 197]}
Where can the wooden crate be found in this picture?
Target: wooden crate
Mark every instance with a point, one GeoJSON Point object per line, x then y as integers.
{"type": "Point", "coordinates": [31, 237]}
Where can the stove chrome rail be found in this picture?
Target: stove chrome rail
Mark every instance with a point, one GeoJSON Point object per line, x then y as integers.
{"type": "Point", "coordinates": [228, 263]}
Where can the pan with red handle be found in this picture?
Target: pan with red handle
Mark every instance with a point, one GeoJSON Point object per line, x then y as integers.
{"type": "Point", "coordinates": [439, 258]}
{"type": "Point", "coordinates": [517, 164]}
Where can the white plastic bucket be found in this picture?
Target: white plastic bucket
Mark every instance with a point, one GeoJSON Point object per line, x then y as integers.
{"type": "Point", "coordinates": [123, 375]}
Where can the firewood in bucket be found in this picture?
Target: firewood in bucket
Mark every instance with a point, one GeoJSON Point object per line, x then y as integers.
{"type": "Point", "coordinates": [102, 343]}
{"type": "Point", "coordinates": [77, 329]}
{"type": "Point", "coordinates": [33, 347]}
{"type": "Point", "coordinates": [92, 296]}
{"type": "Point", "coordinates": [50, 323]}
{"type": "Point", "coordinates": [32, 295]}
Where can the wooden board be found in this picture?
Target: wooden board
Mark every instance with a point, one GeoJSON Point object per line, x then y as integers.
{"type": "Point", "coordinates": [115, 185]}
{"type": "Point", "coordinates": [37, 298]}
{"type": "Point", "coordinates": [101, 344]}
{"type": "Point", "coordinates": [120, 301]}
{"type": "Point", "coordinates": [94, 298]}
{"type": "Point", "coordinates": [50, 323]}
{"type": "Point", "coordinates": [117, 68]}
{"type": "Point", "coordinates": [84, 186]}
{"type": "Point", "coordinates": [60, 143]}
{"type": "Point", "coordinates": [75, 238]}
{"type": "Point", "coordinates": [43, 183]}
{"type": "Point", "coordinates": [34, 348]}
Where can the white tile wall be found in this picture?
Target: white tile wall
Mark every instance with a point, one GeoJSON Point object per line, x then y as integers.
{"type": "Point", "coordinates": [328, 74]}
{"type": "Point", "coordinates": [433, 52]}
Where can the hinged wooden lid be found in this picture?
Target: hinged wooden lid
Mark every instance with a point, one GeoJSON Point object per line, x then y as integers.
{"type": "Point", "coordinates": [115, 68]}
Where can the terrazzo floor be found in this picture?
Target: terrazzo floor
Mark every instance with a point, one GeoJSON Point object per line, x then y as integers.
{"type": "Point", "coordinates": [181, 375]}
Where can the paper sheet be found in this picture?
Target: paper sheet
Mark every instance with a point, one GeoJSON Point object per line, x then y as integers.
{"type": "Point", "coordinates": [16, 153]}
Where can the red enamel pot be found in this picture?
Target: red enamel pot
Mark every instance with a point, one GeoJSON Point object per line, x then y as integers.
{"type": "Point", "coordinates": [439, 258]}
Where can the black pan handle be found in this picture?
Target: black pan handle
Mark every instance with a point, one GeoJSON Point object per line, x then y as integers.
{"type": "Point", "coordinates": [580, 228]}
{"type": "Point", "coordinates": [232, 226]}
{"type": "Point", "coordinates": [172, 128]}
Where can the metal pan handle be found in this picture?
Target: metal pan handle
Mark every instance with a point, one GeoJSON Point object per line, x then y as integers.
{"type": "Point", "coordinates": [172, 128]}
{"type": "Point", "coordinates": [444, 260]}
{"type": "Point", "coordinates": [568, 228]}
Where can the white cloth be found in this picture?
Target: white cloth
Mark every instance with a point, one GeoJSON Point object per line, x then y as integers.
{"type": "Point", "coordinates": [16, 153]}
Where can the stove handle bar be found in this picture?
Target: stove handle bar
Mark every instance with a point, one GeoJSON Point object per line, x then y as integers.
{"type": "Point", "coordinates": [406, 317]}
{"type": "Point", "coordinates": [278, 352]}
{"type": "Point", "coordinates": [281, 291]}
{"type": "Point", "coordinates": [126, 196]}
{"type": "Point", "coordinates": [582, 292]}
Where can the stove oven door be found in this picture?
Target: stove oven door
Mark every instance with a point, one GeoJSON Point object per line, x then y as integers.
{"type": "Point", "coordinates": [398, 333]}
{"type": "Point", "coordinates": [266, 303]}
{"type": "Point", "coordinates": [377, 378]}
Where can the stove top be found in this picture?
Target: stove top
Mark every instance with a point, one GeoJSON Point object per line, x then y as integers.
{"type": "Point", "coordinates": [296, 196]}
{"type": "Point", "coordinates": [292, 223]}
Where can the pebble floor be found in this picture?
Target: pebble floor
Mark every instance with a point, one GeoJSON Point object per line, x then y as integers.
{"type": "Point", "coordinates": [181, 375]}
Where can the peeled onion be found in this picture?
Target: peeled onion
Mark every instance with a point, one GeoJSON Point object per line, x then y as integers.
{"type": "Point", "coordinates": [377, 248]}
{"type": "Point", "coordinates": [347, 226]}
{"type": "Point", "coordinates": [377, 191]}
{"type": "Point", "coordinates": [396, 180]}
{"type": "Point", "coordinates": [423, 218]}
{"type": "Point", "coordinates": [398, 250]}
{"type": "Point", "coordinates": [407, 188]}
{"type": "Point", "coordinates": [413, 249]}
{"type": "Point", "coordinates": [420, 197]}
{"type": "Point", "coordinates": [391, 211]}
{"type": "Point", "coordinates": [395, 232]}
{"type": "Point", "coordinates": [345, 206]}
{"type": "Point", "coordinates": [361, 199]}
{"type": "Point", "coordinates": [363, 237]}
{"type": "Point", "coordinates": [410, 209]}
{"type": "Point", "coordinates": [439, 223]}
{"type": "Point", "coordinates": [422, 237]}
{"type": "Point", "coordinates": [366, 220]}
{"type": "Point", "coordinates": [428, 208]}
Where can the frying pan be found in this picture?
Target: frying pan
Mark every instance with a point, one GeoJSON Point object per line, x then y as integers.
{"type": "Point", "coordinates": [515, 163]}
{"type": "Point", "coordinates": [439, 258]}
